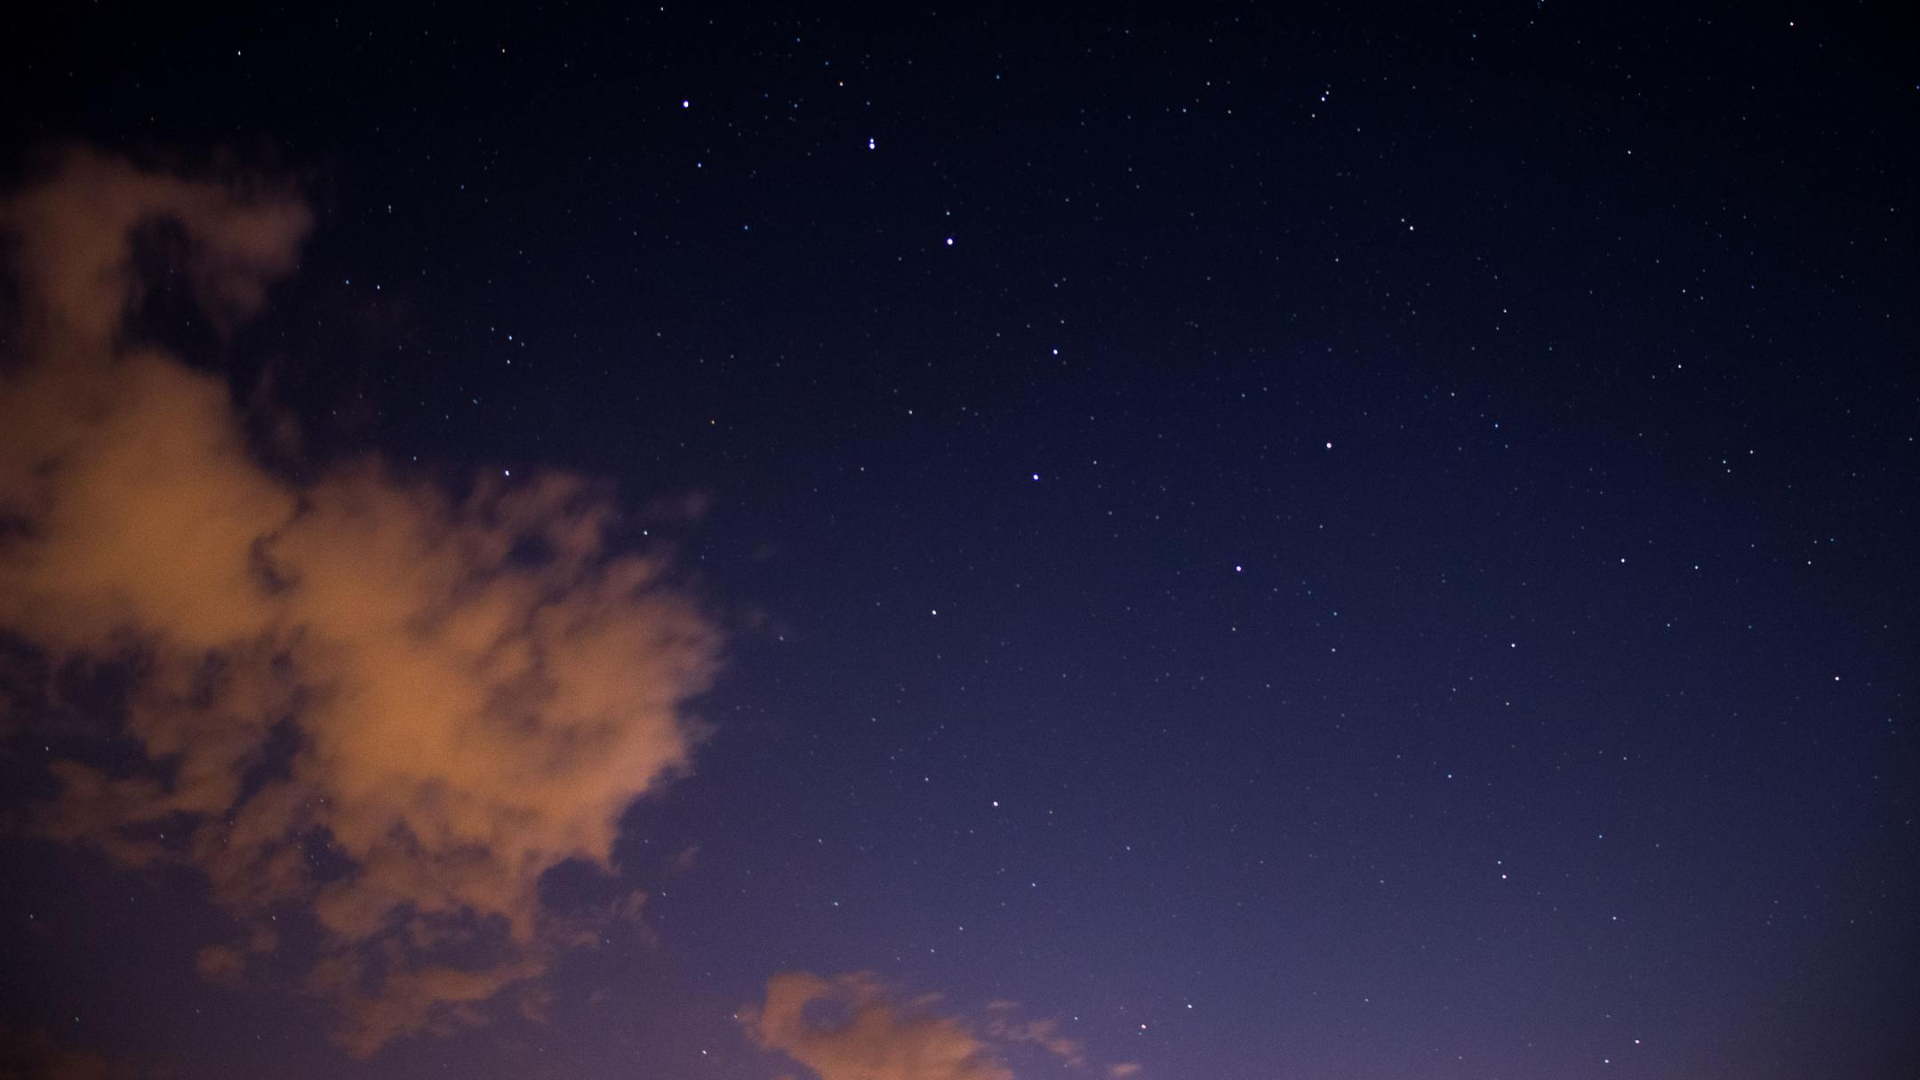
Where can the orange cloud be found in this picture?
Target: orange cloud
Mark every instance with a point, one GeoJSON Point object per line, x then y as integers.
{"type": "Point", "coordinates": [436, 699]}
{"type": "Point", "coordinates": [852, 1028]}
{"type": "Point", "coordinates": [855, 1027]}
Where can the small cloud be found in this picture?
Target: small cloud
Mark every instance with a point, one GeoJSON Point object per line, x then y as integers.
{"type": "Point", "coordinates": [34, 1055]}
{"type": "Point", "coordinates": [1042, 1033]}
{"type": "Point", "coordinates": [631, 907]}
{"type": "Point", "coordinates": [853, 1027]}
{"type": "Point", "coordinates": [856, 1027]}
{"type": "Point", "coordinates": [221, 964]}
{"type": "Point", "coordinates": [684, 510]}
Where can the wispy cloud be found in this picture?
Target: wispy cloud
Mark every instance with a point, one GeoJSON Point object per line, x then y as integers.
{"type": "Point", "coordinates": [853, 1028]}
{"type": "Point", "coordinates": [856, 1027]}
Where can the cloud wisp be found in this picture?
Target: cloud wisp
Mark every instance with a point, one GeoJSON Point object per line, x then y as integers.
{"type": "Point", "coordinates": [856, 1027]}
{"type": "Point", "coordinates": [390, 706]}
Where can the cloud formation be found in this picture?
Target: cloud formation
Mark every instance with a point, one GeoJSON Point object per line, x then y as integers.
{"type": "Point", "coordinates": [394, 707]}
{"type": "Point", "coordinates": [1044, 1033]}
{"type": "Point", "coordinates": [853, 1028]}
{"type": "Point", "coordinates": [856, 1027]}
{"type": "Point", "coordinates": [31, 1054]}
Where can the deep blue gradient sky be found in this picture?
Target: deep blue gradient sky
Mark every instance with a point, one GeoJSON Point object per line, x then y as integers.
{"type": "Point", "coordinates": [1297, 540]}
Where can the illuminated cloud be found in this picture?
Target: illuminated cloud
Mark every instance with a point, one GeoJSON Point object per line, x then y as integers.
{"type": "Point", "coordinates": [360, 694]}
{"type": "Point", "coordinates": [855, 1027]}
{"type": "Point", "coordinates": [852, 1028]}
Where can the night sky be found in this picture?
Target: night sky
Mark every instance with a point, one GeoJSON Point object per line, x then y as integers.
{"type": "Point", "coordinates": [1226, 543]}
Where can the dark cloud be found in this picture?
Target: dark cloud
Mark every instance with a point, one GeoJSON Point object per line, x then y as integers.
{"type": "Point", "coordinates": [36, 1055]}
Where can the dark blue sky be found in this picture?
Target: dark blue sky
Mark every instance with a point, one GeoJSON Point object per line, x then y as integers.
{"type": "Point", "coordinates": [1334, 541]}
